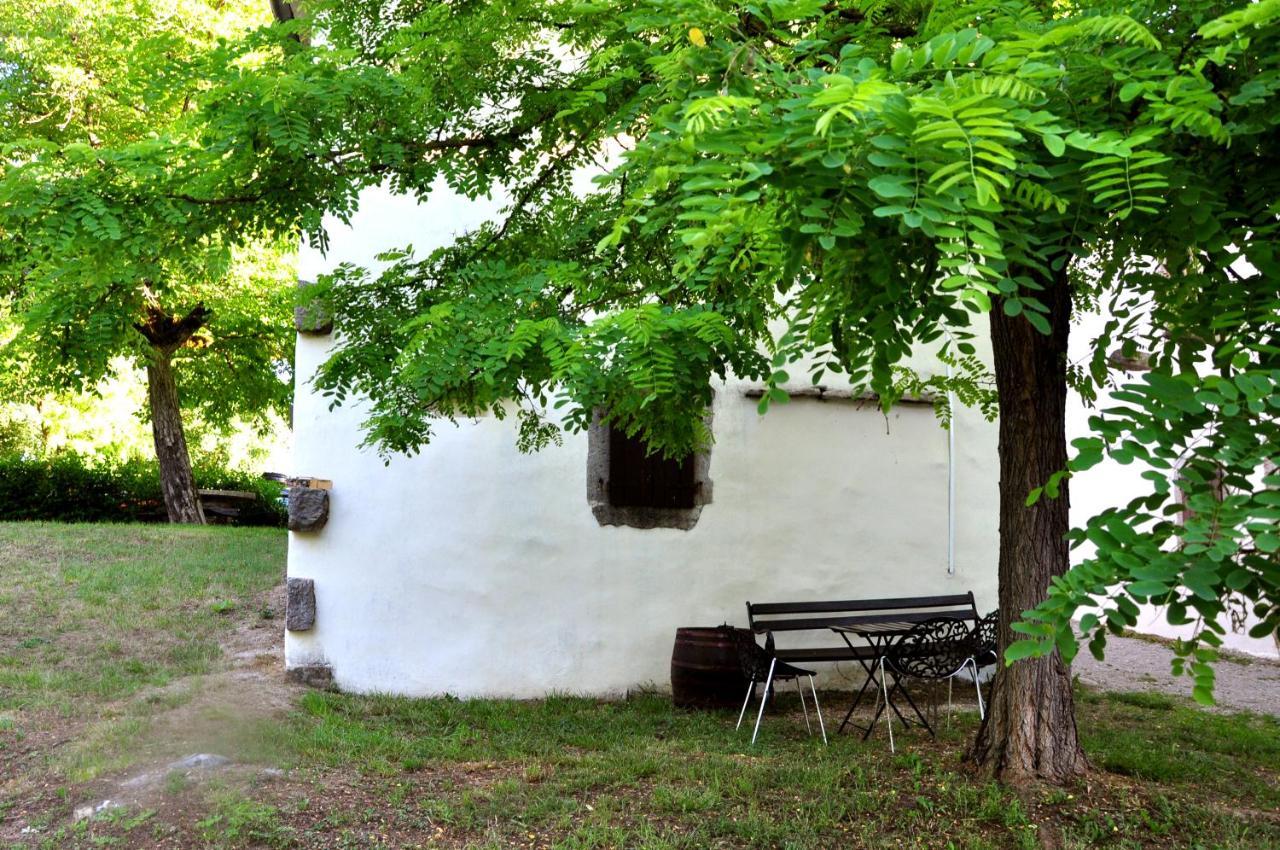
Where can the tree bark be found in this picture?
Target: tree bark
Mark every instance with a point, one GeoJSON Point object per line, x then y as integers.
{"type": "Point", "coordinates": [1029, 734]}
{"type": "Point", "coordinates": [176, 482]}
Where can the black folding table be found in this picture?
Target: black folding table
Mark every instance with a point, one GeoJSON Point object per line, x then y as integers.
{"type": "Point", "coordinates": [881, 636]}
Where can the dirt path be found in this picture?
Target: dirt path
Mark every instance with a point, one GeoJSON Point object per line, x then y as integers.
{"type": "Point", "coordinates": [214, 727]}
{"type": "Point", "coordinates": [1244, 683]}
{"type": "Point", "coordinates": [221, 725]}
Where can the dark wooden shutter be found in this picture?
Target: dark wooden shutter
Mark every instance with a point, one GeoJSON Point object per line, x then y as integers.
{"type": "Point", "coordinates": [641, 480]}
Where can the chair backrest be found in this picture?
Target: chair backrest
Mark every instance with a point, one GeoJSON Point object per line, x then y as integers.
{"type": "Point", "coordinates": [934, 649]}
{"type": "Point", "coordinates": [985, 638]}
{"type": "Point", "coordinates": [752, 657]}
{"type": "Point", "coordinates": [987, 631]}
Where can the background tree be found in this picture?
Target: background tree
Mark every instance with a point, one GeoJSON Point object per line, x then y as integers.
{"type": "Point", "coordinates": [875, 179]}
{"type": "Point", "coordinates": [107, 247]}
{"type": "Point", "coordinates": [106, 73]}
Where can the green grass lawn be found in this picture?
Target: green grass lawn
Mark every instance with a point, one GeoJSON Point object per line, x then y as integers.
{"type": "Point", "coordinates": [581, 773]}
{"type": "Point", "coordinates": [99, 619]}
{"type": "Point", "coordinates": [93, 613]}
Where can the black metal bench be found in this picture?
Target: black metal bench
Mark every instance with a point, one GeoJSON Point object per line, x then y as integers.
{"type": "Point", "coordinates": [769, 617]}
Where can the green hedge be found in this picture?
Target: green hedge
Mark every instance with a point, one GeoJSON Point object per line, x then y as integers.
{"type": "Point", "coordinates": [66, 488]}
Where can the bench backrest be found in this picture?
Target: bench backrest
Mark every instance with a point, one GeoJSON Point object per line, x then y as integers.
{"type": "Point", "coordinates": [799, 616]}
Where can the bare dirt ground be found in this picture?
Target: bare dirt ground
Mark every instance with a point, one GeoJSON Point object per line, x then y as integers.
{"type": "Point", "coordinates": [210, 727]}
{"type": "Point", "coordinates": [1244, 683]}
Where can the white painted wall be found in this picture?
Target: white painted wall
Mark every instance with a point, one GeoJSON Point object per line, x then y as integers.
{"type": "Point", "coordinates": [474, 570]}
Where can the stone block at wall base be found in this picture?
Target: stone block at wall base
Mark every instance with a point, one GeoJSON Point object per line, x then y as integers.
{"type": "Point", "coordinates": [318, 676]}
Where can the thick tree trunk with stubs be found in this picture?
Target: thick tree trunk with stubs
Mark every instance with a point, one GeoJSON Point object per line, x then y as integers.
{"type": "Point", "coordinates": [166, 334]}
{"type": "Point", "coordinates": [1029, 734]}
{"type": "Point", "coordinates": [176, 481]}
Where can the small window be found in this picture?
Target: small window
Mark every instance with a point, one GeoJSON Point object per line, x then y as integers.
{"type": "Point", "coordinates": [638, 479]}
{"type": "Point", "coordinates": [626, 485]}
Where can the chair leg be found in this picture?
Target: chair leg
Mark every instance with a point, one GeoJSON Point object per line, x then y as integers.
{"type": "Point", "coordinates": [982, 709]}
{"type": "Point", "coordinates": [887, 722]}
{"type": "Point", "coordinates": [800, 691]}
{"type": "Point", "coordinates": [924, 721]}
{"type": "Point", "coordinates": [751, 689]}
{"type": "Point", "coordinates": [950, 680]}
{"type": "Point", "coordinates": [817, 709]}
{"type": "Point", "coordinates": [768, 685]}
{"type": "Point", "coordinates": [934, 704]}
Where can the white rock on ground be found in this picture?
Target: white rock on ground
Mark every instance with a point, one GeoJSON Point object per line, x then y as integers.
{"type": "Point", "coordinates": [200, 761]}
{"type": "Point", "coordinates": [92, 810]}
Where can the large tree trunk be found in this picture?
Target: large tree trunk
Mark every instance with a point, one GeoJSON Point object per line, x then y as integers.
{"type": "Point", "coordinates": [1029, 734]}
{"type": "Point", "coordinates": [176, 482]}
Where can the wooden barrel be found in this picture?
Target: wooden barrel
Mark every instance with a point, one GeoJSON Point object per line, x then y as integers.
{"type": "Point", "coordinates": [704, 669]}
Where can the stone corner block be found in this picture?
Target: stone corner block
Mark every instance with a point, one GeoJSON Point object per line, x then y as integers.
{"type": "Point", "coordinates": [312, 318]}
{"type": "Point", "coordinates": [300, 608]}
{"type": "Point", "coordinates": [308, 508]}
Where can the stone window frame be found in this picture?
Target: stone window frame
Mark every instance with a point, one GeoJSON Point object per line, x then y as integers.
{"type": "Point", "coordinates": [607, 513]}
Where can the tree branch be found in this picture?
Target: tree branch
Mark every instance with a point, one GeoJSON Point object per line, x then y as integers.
{"type": "Point", "coordinates": [227, 200]}
{"type": "Point", "coordinates": [856, 16]}
{"type": "Point", "coordinates": [168, 332]}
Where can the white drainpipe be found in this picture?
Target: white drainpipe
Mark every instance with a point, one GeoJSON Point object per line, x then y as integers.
{"type": "Point", "coordinates": [951, 476]}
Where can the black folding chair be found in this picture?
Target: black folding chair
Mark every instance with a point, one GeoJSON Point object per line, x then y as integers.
{"type": "Point", "coordinates": [935, 649]}
{"type": "Point", "coordinates": [985, 650]}
{"type": "Point", "coordinates": [762, 665]}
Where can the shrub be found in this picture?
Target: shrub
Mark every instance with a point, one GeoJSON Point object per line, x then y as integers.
{"type": "Point", "coordinates": [68, 488]}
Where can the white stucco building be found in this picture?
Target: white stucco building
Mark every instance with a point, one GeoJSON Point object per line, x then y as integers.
{"type": "Point", "coordinates": [475, 570]}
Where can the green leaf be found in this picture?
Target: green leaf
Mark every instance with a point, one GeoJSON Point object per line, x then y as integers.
{"type": "Point", "coordinates": [1021, 649]}
{"type": "Point", "coordinates": [890, 186]}
{"type": "Point", "coordinates": [1147, 589]}
{"type": "Point", "coordinates": [1066, 644]}
{"type": "Point", "coordinates": [901, 60]}
{"type": "Point", "coordinates": [1130, 90]}
{"type": "Point", "coordinates": [1203, 694]}
{"type": "Point", "coordinates": [834, 159]}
